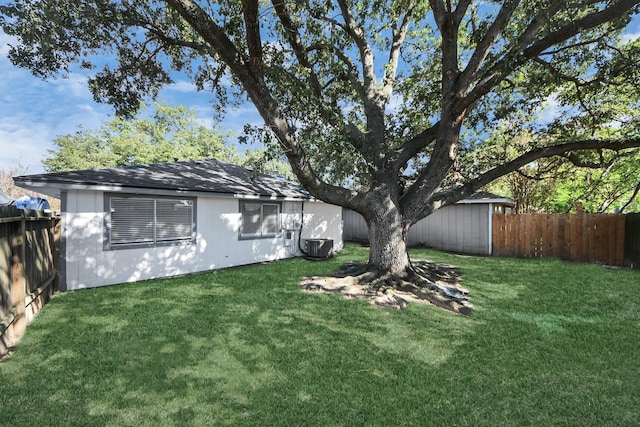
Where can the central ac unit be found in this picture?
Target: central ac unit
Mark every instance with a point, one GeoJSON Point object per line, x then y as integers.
{"type": "Point", "coordinates": [319, 248]}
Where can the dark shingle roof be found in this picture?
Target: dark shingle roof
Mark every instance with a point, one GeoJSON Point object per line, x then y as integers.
{"type": "Point", "coordinates": [486, 197]}
{"type": "Point", "coordinates": [202, 176]}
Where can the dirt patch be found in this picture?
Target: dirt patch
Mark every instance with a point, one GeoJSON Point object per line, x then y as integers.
{"type": "Point", "coordinates": [425, 282]}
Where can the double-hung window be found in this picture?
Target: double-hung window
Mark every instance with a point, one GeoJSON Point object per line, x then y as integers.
{"type": "Point", "coordinates": [259, 219]}
{"type": "Point", "coordinates": [137, 220]}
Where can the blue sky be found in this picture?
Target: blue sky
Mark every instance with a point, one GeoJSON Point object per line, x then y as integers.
{"type": "Point", "coordinates": [33, 112]}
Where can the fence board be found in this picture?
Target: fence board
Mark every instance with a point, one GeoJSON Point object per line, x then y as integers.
{"type": "Point", "coordinates": [28, 267]}
{"type": "Point", "coordinates": [582, 237]}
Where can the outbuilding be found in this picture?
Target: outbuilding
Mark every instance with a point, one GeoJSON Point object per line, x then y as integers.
{"type": "Point", "coordinates": [464, 227]}
{"type": "Point", "coordinates": [142, 222]}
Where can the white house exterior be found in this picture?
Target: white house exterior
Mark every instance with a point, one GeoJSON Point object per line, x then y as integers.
{"type": "Point", "coordinates": [128, 224]}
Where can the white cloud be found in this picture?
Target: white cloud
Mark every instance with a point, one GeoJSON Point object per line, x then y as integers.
{"type": "Point", "coordinates": [74, 85]}
{"type": "Point", "coordinates": [5, 41]}
{"type": "Point", "coordinates": [183, 86]}
{"type": "Point", "coordinates": [33, 112]}
{"type": "Point", "coordinates": [551, 110]}
{"type": "Point", "coordinates": [22, 142]}
{"type": "Point", "coordinates": [629, 37]}
{"type": "Point", "coordinates": [395, 103]}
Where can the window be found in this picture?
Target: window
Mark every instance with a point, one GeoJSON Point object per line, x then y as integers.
{"type": "Point", "coordinates": [132, 221]}
{"type": "Point", "coordinates": [259, 220]}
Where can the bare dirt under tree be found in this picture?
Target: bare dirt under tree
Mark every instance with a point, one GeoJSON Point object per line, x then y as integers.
{"type": "Point", "coordinates": [424, 282]}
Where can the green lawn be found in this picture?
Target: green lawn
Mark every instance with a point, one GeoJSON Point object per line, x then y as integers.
{"type": "Point", "coordinates": [550, 343]}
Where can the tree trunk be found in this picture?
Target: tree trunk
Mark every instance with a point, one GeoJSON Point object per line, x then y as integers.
{"type": "Point", "coordinates": [388, 241]}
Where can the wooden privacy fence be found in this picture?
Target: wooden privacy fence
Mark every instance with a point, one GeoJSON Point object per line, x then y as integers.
{"type": "Point", "coordinates": [29, 254]}
{"type": "Point", "coordinates": [632, 240]}
{"type": "Point", "coordinates": [592, 238]}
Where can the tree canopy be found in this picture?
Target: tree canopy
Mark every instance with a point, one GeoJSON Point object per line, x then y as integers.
{"type": "Point", "coordinates": [384, 107]}
{"type": "Point", "coordinates": [166, 134]}
{"type": "Point", "coordinates": [601, 181]}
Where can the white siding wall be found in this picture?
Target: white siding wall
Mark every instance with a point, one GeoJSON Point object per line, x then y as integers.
{"type": "Point", "coordinates": [459, 228]}
{"type": "Point", "coordinates": [87, 264]}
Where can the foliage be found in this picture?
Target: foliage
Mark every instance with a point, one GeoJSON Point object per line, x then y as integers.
{"type": "Point", "coordinates": [602, 183]}
{"type": "Point", "coordinates": [612, 188]}
{"type": "Point", "coordinates": [169, 133]}
{"type": "Point", "coordinates": [383, 107]}
{"type": "Point", "coordinates": [555, 344]}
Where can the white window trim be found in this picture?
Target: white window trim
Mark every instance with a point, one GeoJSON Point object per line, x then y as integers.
{"type": "Point", "coordinates": [157, 241]}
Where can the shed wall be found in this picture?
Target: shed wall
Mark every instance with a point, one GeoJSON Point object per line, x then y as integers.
{"type": "Point", "coordinates": [458, 228]}
{"type": "Point", "coordinates": [87, 264]}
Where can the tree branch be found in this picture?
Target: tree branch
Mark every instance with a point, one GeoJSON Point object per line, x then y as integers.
{"type": "Point", "coordinates": [352, 69]}
{"type": "Point", "coordinates": [254, 41]}
{"type": "Point", "coordinates": [399, 36]}
{"type": "Point", "coordinates": [527, 49]}
{"type": "Point", "coordinates": [292, 33]}
{"type": "Point", "coordinates": [577, 161]}
{"type": "Point", "coordinates": [592, 20]}
{"type": "Point", "coordinates": [488, 41]}
{"type": "Point", "coordinates": [461, 10]}
{"type": "Point", "coordinates": [264, 102]}
{"type": "Point", "coordinates": [452, 195]}
{"type": "Point", "coordinates": [366, 55]}
{"type": "Point", "coordinates": [631, 199]}
{"type": "Point", "coordinates": [539, 153]}
{"type": "Point", "coordinates": [439, 13]}
{"type": "Point", "coordinates": [416, 144]}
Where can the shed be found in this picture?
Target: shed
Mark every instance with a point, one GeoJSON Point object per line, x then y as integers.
{"type": "Point", "coordinates": [464, 227]}
{"type": "Point", "coordinates": [142, 222]}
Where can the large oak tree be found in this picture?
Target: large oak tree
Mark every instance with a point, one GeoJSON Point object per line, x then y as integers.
{"type": "Point", "coordinates": [377, 105]}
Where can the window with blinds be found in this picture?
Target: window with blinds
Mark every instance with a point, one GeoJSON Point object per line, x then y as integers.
{"type": "Point", "coordinates": [259, 220]}
{"type": "Point", "coordinates": [149, 221]}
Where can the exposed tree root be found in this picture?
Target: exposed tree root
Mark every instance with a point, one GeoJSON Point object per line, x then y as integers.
{"type": "Point", "coordinates": [424, 282]}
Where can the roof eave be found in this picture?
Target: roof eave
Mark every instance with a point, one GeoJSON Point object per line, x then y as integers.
{"type": "Point", "coordinates": [503, 201]}
{"type": "Point", "coordinates": [55, 189]}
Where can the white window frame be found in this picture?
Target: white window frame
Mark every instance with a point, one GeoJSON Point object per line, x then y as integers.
{"type": "Point", "coordinates": [261, 233]}
{"type": "Point", "coordinates": [156, 219]}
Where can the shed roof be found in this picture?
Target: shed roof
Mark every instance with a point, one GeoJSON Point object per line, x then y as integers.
{"type": "Point", "coordinates": [193, 176]}
{"type": "Point", "coordinates": [486, 197]}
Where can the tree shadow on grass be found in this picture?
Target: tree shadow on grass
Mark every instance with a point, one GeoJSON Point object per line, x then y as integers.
{"type": "Point", "coordinates": [215, 349]}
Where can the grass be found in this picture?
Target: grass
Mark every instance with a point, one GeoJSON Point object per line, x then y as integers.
{"type": "Point", "coordinates": [550, 343]}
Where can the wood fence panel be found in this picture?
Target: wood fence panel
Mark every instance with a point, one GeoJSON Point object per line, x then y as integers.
{"type": "Point", "coordinates": [554, 236]}
{"type": "Point", "coordinates": [28, 269]}
{"type": "Point", "coordinates": [580, 226]}
{"type": "Point", "coordinates": [582, 237]}
{"type": "Point", "coordinates": [497, 232]}
{"type": "Point", "coordinates": [512, 235]}
{"type": "Point", "coordinates": [631, 254]}
{"type": "Point", "coordinates": [615, 246]}
{"type": "Point", "coordinates": [620, 237]}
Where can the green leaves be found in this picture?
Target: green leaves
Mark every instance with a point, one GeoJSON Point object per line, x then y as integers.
{"type": "Point", "coordinates": [357, 91]}
{"type": "Point", "coordinates": [169, 133]}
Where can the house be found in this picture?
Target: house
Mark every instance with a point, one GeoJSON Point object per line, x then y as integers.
{"type": "Point", "coordinates": [464, 227]}
{"type": "Point", "coordinates": [142, 222]}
